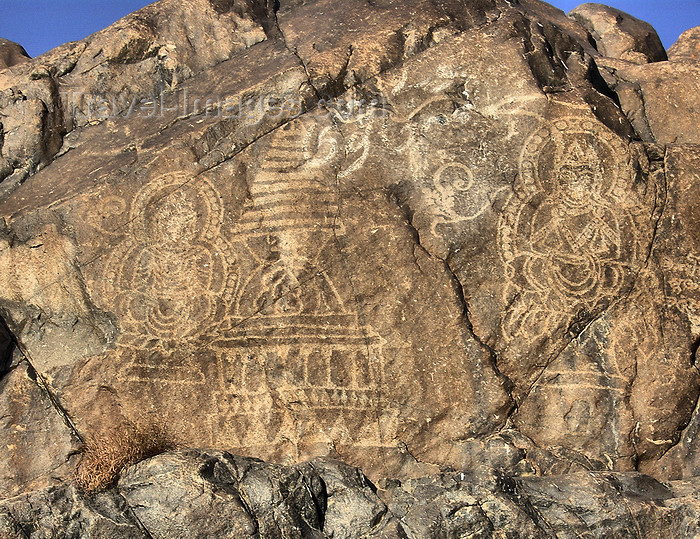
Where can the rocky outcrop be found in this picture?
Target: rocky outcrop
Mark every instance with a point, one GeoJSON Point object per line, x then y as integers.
{"type": "Point", "coordinates": [205, 493]}
{"type": "Point", "coordinates": [679, 237]}
{"type": "Point", "coordinates": [89, 81]}
{"type": "Point", "coordinates": [11, 54]}
{"type": "Point", "coordinates": [661, 100]}
{"type": "Point", "coordinates": [36, 443]}
{"type": "Point", "coordinates": [687, 46]}
{"type": "Point", "coordinates": [412, 236]}
{"type": "Point", "coordinates": [620, 35]}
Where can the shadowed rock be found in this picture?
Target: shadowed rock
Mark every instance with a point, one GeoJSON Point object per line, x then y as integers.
{"type": "Point", "coordinates": [205, 493]}
{"type": "Point", "coordinates": [661, 100]}
{"type": "Point", "coordinates": [11, 54]}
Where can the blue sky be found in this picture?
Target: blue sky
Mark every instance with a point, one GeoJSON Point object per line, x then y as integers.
{"type": "Point", "coordinates": [40, 25]}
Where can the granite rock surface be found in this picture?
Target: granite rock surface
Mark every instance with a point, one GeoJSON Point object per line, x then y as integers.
{"type": "Point", "coordinates": [687, 46]}
{"type": "Point", "coordinates": [620, 35]}
{"type": "Point", "coordinates": [11, 54]}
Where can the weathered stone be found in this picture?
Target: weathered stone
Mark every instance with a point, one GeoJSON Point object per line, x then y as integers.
{"type": "Point", "coordinates": [484, 504]}
{"type": "Point", "coordinates": [555, 16]}
{"type": "Point", "coordinates": [321, 498]}
{"type": "Point", "coordinates": [35, 442]}
{"type": "Point", "coordinates": [677, 255]}
{"type": "Point", "coordinates": [347, 231]}
{"type": "Point", "coordinates": [687, 46]}
{"type": "Point", "coordinates": [11, 54]}
{"type": "Point", "coordinates": [333, 39]}
{"type": "Point", "coordinates": [352, 508]}
{"type": "Point", "coordinates": [50, 299]}
{"type": "Point", "coordinates": [112, 72]}
{"type": "Point", "coordinates": [661, 100]}
{"type": "Point", "coordinates": [204, 493]}
{"type": "Point", "coordinates": [332, 282]}
{"type": "Point", "coordinates": [620, 35]}
{"type": "Point", "coordinates": [61, 511]}
{"type": "Point", "coordinates": [189, 495]}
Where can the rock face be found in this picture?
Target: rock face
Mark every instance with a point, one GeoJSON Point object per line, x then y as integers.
{"type": "Point", "coordinates": [619, 35]}
{"type": "Point", "coordinates": [36, 443]}
{"type": "Point", "coordinates": [687, 46]}
{"type": "Point", "coordinates": [412, 236]}
{"type": "Point", "coordinates": [86, 82]}
{"type": "Point", "coordinates": [11, 54]}
{"type": "Point", "coordinates": [661, 100]}
{"type": "Point", "coordinates": [205, 493]}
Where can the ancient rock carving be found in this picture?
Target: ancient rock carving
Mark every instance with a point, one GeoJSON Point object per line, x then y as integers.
{"type": "Point", "coordinates": [284, 343]}
{"type": "Point", "coordinates": [289, 319]}
{"type": "Point", "coordinates": [682, 271]}
{"type": "Point", "coordinates": [683, 282]}
{"type": "Point", "coordinates": [175, 277]}
{"type": "Point", "coordinates": [449, 192]}
{"type": "Point", "coordinates": [357, 144]}
{"type": "Point", "coordinates": [567, 233]}
{"type": "Point", "coordinates": [455, 197]}
{"type": "Point", "coordinates": [582, 402]}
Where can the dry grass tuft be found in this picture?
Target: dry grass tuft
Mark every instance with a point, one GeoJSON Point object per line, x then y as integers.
{"type": "Point", "coordinates": [104, 457]}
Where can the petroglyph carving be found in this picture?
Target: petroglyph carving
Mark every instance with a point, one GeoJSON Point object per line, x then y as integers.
{"type": "Point", "coordinates": [567, 233]}
{"type": "Point", "coordinates": [285, 344]}
{"type": "Point", "coordinates": [636, 339]}
{"type": "Point", "coordinates": [288, 322]}
{"type": "Point", "coordinates": [454, 196]}
{"type": "Point", "coordinates": [682, 282]}
{"type": "Point", "coordinates": [357, 147]}
{"type": "Point", "coordinates": [584, 395]}
{"type": "Point", "coordinates": [175, 276]}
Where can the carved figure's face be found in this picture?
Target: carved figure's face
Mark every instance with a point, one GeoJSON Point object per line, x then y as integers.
{"type": "Point", "coordinates": [578, 182]}
{"type": "Point", "coordinates": [172, 221]}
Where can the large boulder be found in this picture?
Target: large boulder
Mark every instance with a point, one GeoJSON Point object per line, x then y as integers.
{"type": "Point", "coordinates": [85, 82]}
{"type": "Point", "coordinates": [620, 35]}
{"type": "Point", "coordinates": [62, 511]}
{"type": "Point", "coordinates": [687, 46]}
{"type": "Point", "coordinates": [11, 54]}
{"type": "Point", "coordinates": [661, 100]}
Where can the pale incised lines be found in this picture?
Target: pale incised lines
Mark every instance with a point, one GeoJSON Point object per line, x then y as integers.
{"type": "Point", "coordinates": [289, 328]}
{"type": "Point", "coordinates": [290, 190]}
{"type": "Point", "coordinates": [253, 292]}
{"type": "Point", "coordinates": [567, 233]}
{"type": "Point", "coordinates": [570, 242]}
{"type": "Point", "coordinates": [454, 197]}
{"type": "Point", "coordinates": [172, 278]}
